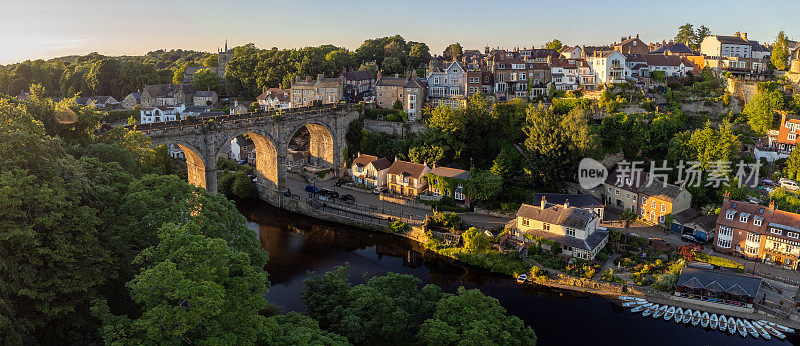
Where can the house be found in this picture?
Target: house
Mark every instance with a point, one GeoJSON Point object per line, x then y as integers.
{"type": "Point", "coordinates": [645, 194]}
{"type": "Point", "coordinates": [243, 149]}
{"type": "Point", "coordinates": [369, 170]}
{"type": "Point", "coordinates": [167, 95]}
{"type": "Point", "coordinates": [360, 84]}
{"type": "Point", "coordinates": [758, 232]}
{"type": "Point", "coordinates": [694, 223]}
{"type": "Point", "coordinates": [406, 178]}
{"type": "Point", "coordinates": [788, 133]}
{"type": "Point", "coordinates": [740, 67]}
{"type": "Point", "coordinates": [575, 200]}
{"type": "Point", "coordinates": [758, 50]}
{"type": "Point", "coordinates": [133, 100]}
{"type": "Point", "coordinates": [540, 55]}
{"type": "Point", "coordinates": [700, 284]}
{"type": "Point", "coordinates": [274, 98]}
{"type": "Point", "coordinates": [671, 48]}
{"type": "Point", "coordinates": [447, 87]}
{"type": "Point", "coordinates": [459, 178]}
{"type": "Point", "coordinates": [512, 76]}
{"type": "Point", "coordinates": [568, 52]}
{"type": "Point", "coordinates": [97, 101]}
{"type": "Point", "coordinates": [609, 66]}
{"type": "Point", "coordinates": [571, 74]}
{"type": "Point", "coordinates": [160, 113]}
{"type": "Point", "coordinates": [577, 231]}
{"type": "Point", "coordinates": [794, 60]}
{"type": "Point", "coordinates": [296, 159]}
{"type": "Point", "coordinates": [410, 91]}
{"type": "Point", "coordinates": [205, 98]}
{"type": "Point", "coordinates": [645, 65]}
{"type": "Point", "coordinates": [323, 90]}
{"type": "Point", "coordinates": [631, 45]}
{"type": "Point", "coordinates": [717, 46]}
{"type": "Point", "coordinates": [200, 112]}
{"type": "Point", "coordinates": [479, 81]}
{"type": "Point", "coordinates": [238, 108]}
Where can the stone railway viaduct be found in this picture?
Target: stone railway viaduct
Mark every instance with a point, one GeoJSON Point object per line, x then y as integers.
{"type": "Point", "coordinates": [202, 141]}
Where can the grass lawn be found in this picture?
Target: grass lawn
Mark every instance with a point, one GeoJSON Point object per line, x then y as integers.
{"type": "Point", "coordinates": [719, 261]}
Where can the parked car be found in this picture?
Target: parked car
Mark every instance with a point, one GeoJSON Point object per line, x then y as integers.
{"type": "Point", "coordinates": [379, 189]}
{"type": "Point", "coordinates": [312, 189]}
{"type": "Point", "coordinates": [341, 182]}
{"type": "Point", "coordinates": [347, 198]}
{"type": "Point", "coordinates": [325, 192]}
{"type": "Point", "coordinates": [688, 238]}
{"type": "Point", "coordinates": [789, 184]}
{"type": "Point", "coordinates": [241, 162]}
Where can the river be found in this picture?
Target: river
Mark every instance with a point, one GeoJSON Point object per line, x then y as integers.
{"type": "Point", "coordinates": [298, 244]}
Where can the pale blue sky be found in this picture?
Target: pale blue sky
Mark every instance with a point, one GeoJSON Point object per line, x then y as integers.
{"type": "Point", "coordinates": [49, 28]}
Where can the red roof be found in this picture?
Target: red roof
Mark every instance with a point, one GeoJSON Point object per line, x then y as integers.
{"type": "Point", "coordinates": [794, 128]}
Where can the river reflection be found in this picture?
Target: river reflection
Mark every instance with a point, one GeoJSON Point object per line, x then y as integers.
{"type": "Point", "coordinates": [298, 244]}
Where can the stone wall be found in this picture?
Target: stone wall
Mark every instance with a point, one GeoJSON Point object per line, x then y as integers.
{"type": "Point", "coordinates": [393, 128]}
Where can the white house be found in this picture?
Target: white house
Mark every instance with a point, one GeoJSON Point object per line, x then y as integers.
{"type": "Point", "coordinates": [609, 66]}
{"type": "Point", "coordinates": [157, 114]}
{"type": "Point", "coordinates": [571, 74]}
{"type": "Point", "coordinates": [645, 65]}
{"type": "Point", "coordinates": [448, 86]}
{"type": "Point", "coordinates": [275, 98]}
{"type": "Point", "coordinates": [576, 230]}
{"type": "Point", "coordinates": [369, 170]}
{"type": "Point", "coordinates": [717, 46]}
{"type": "Point", "coordinates": [571, 52]}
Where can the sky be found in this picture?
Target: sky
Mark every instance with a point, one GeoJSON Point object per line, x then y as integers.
{"type": "Point", "coordinates": [33, 29]}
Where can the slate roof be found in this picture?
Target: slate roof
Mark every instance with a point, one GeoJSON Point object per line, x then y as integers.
{"type": "Point", "coordinates": [731, 40]}
{"type": "Point", "coordinates": [557, 214]}
{"type": "Point", "coordinates": [161, 90]}
{"type": "Point", "coordinates": [758, 47]}
{"type": "Point", "coordinates": [713, 279]}
{"type": "Point", "coordinates": [640, 185]}
{"type": "Point", "coordinates": [575, 200]}
{"type": "Point", "coordinates": [379, 164]}
{"type": "Point", "coordinates": [655, 59]}
{"type": "Point", "coordinates": [451, 173]}
{"type": "Point", "coordinates": [673, 47]}
{"type": "Point", "coordinates": [205, 94]}
{"type": "Point", "coordinates": [137, 95]}
{"type": "Point", "coordinates": [399, 82]}
{"type": "Point", "coordinates": [357, 75]}
{"type": "Point", "coordinates": [590, 243]}
{"type": "Point", "coordinates": [406, 168]}
{"type": "Point", "coordinates": [691, 215]}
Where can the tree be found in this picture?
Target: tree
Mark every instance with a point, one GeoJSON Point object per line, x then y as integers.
{"type": "Point", "coordinates": [211, 61]}
{"type": "Point", "coordinates": [555, 44]}
{"type": "Point", "coordinates": [483, 185]}
{"type": "Point", "coordinates": [191, 288]}
{"type": "Point", "coordinates": [686, 35]}
{"type": "Point", "coordinates": [470, 317]}
{"type": "Point", "coordinates": [760, 110]}
{"type": "Point", "coordinates": [712, 145]}
{"type": "Point", "coordinates": [429, 154]}
{"type": "Point", "coordinates": [205, 79]}
{"type": "Point", "coordinates": [297, 329]}
{"type": "Point", "coordinates": [628, 217]}
{"type": "Point", "coordinates": [419, 56]}
{"type": "Point", "coordinates": [699, 35]}
{"type": "Point", "coordinates": [103, 77]}
{"type": "Point", "coordinates": [780, 52]}
{"type": "Point", "coordinates": [384, 310]}
{"type": "Point", "coordinates": [507, 163]}
{"type": "Point", "coordinates": [475, 241]}
{"type": "Point", "coordinates": [792, 169]}
{"type": "Point", "coordinates": [398, 226]}
{"type": "Point", "coordinates": [453, 52]}
{"type": "Point", "coordinates": [392, 65]}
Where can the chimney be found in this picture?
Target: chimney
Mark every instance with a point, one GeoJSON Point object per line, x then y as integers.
{"type": "Point", "coordinates": [726, 195]}
{"type": "Point", "coordinates": [359, 153]}
{"type": "Point", "coordinates": [744, 36]}
{"type": "Point", "coordinates": [379, 75]}
{"type": "Point", "coordinates": [320, 76]}
{"type": "Point", "coordinates": [566, 203]}
{"type": "Point", "coordinates": [543, 203]}
{"type": "Point", "coordinates": [738, 34]}
{"type": "Point", "coordinates": [308, 79]}
{"type": "Point", "coordinates": [772, 204]}
{"type": "Point", "coordinates": [637, 35]}
{"type": "Point", "coordinates": [395, 157]}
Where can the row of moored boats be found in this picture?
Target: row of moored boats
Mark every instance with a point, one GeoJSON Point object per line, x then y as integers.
{"type": "Point", "coordinates": [760, 328]}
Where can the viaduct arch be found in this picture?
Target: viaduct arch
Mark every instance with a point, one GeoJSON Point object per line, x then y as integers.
{"type": "Point", "coordinates": [203, 140]}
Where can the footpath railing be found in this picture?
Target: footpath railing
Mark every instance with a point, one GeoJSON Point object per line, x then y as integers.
{"type": "Point", "coordinates": [360, 212]}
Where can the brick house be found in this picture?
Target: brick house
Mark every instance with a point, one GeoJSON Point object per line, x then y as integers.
{"type": "Point", "coordinates": [205, 98]}
{"type": "Point", "coordinates": [405, 178]}
{"type": "Point", "coordinates": [459, 175]}
{"type": "Point", "coordinates": [358, 84]}
{"type": "Point", "coordinates": [479, 81]}
{"type": "Point", "coordinates": [325, 90]}
{"type": "Point", "coordinates": [788, 133]}
{"type": "Point", "coordinates": [632, 45]}
{"type": "Point", "coordinates": [651, 201]}
{"type": "Point", "coordinates": [757, 232]}
{"type": "Point", "coordinates": [167, 95]}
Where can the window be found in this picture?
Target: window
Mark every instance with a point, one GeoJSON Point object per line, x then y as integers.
{"type": "Point", "coordinates": [729, 214]}
{"type": "Point", "coordinates": [792, 235]}
{"type": "Point", "coordinates": [743, 218]}
{"type": "Point", "coordinates": [545, 226]}
{"type": "Point", "coordinates": [570, 232]}
{"type": "Point", "coordinates": [725, 231]}
{"type": "Point", "coordinates": [644, 201]}
{"type": "Point", "coordinates": [791, 136]}
{"type": "Point", "coordinates": [757, 222]}
{"type": "Point", "coordinates": [724, 243]}
{"type": "Point", "coordinates": [616, 192]}
{"type": "Point", "coordinates": [776, 231]}
{"type": "Point", "coordinates": [754, 237]}
{"type": "Point", "coordinates": [663, 208]}
{"type": "Point", "coordinates": [627, 196]}
{"type": "Point", "coordinates": [653, 205]}
{"type": "Point", "coordinates": [609, 189]}
{"type": "Point", "coordinates": [526, 222]}
{"type": "Point", "coordinates": [751, 250]}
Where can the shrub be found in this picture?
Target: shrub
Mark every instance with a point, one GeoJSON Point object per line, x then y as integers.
{"type": "Point", "coordinates": [399, 226]}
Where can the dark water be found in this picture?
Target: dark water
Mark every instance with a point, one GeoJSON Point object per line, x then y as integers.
{"type": "Point", "coordinates": [299, 244]}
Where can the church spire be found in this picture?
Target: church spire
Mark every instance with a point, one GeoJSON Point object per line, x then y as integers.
{"type": "Point", "coordinates": [226, 44]}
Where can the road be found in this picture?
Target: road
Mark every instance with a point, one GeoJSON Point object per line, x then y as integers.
{"type": "Point", "coordinates": [297, 185]}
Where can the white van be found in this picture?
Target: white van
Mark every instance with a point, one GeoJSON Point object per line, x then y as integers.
{"type": "Point", "coordinates": [789, 184]}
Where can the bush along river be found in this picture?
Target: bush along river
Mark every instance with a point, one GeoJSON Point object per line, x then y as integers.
{"type": "Point", "coordinates": [298, 244]}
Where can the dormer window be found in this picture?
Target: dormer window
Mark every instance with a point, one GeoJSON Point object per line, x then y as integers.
{"type": "Point", "coordinates": [743, 218]}
{"type": "Point", "coordinates": [757, 222]}
{"type": "Point", "coordinates": [729, 215]}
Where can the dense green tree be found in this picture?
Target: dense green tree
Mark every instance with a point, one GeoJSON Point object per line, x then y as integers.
{"type": "Point", "coordinates": [507, 163]}
{"type": "Point", "coordinates": [419, 55]}
{"type": "Point", "coordinates": [686, 35]}
{"type": "Point", "coordinates": [483, 185]}
{"type": "Point", "coordinates": [785, 200]}
{"type": "Point", "coordinates": [392, 65]}
{"type": "Point", "coordinates": [453, 52]}
{"type": "Point", "coordinates": [191, 288]}
{"type": "Point", "coordinates": [429, 154]}
{"type": "Point", "coordinates": [297, 329]}
{"type": "Point", "coordinates": [205, 79]}
{"type": "Point", "coordinates": [555, 143]}
{"type": "Point", "coordinates": [699, 34]}
{"type": "Point", "coordinates": [555, 44]}
{"type": "Point", "coordinates": [211, 61]}
{"type": "Point", "coordinates": [712, 144]}
{"type": "Point", "coordinates": [780, 52]}
{"type": "Point", "coordinates": [475, 241]}
{"type": "Point", "coordinates": [760, 110]}
{"type": "Point", "coordinates": [792, 169]}
{"type": "Point", "coordinates": [103, 76]}
{"type": "Point", "coordinates": [473, 318]}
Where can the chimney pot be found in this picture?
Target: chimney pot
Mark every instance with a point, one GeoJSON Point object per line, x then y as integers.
{"type": "Point", "coordinates": [543, 203]}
